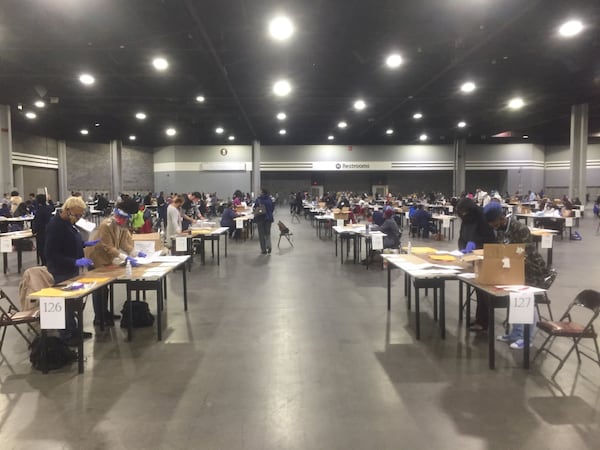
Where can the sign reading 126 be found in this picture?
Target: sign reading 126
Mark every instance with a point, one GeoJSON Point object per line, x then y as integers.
{"type": "Point", "coordinates": [52, 313]}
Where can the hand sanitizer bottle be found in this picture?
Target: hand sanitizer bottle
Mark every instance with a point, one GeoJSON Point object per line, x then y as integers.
{"type": "Point", "coordinates": [128, 269]}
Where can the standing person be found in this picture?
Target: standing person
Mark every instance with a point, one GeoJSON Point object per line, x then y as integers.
{"type": "Point", "coordinates": [264, 221]}
{"type": "Point", "coordinates": [162, 209]}
{"type": "Point", "coordinates": [174, 219]}
{"type": "Point", "coordinates": [41, 219]}
{"type": "Point", "coordinates": [64, 255]}
{"type": "Point", "coordinates": [511, 231]}
{"type": "Point", "coordinates": [15, 201]}
{"type": "Point", "coordinates": [474, 232]}
{"type": "Point", "coordinates": [114, 246]}
{"type": "Point", "coordinates": [228, 219]}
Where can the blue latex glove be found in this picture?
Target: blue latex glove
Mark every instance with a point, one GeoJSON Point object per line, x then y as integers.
{"type": "Point", "coordinates": [91, 243]}
{"type": "Point", "coordinates": [141, 255]}
{"type": "Point", "coordinates": [469, 248]}
{"type": "Point", "coordinates": [84, 262]}
{"type": "Point", "coordinates": [132, 261]}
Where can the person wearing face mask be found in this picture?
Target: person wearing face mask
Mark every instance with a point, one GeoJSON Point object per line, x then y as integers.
{"type": "Point", "coordinates": [64, 255]}
{"type": "Point", "coordinates": [114, 246]}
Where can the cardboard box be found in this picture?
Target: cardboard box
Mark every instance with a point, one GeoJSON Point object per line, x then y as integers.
{"type": "Point", "coordinates": [502, 264]}
{"type": "Point", "coordinates": [146, 238]}
{"type": "Point", "coordinates": [340, 216]}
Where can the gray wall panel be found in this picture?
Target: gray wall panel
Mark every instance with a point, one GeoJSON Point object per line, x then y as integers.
{"type": "Point", "coordinates": [223, 183]}
{"type": "Point", "coordinates": [88, 167]}
{"type": "Point", "coordinates": [138, 169]}
{"type": "Point", "coordinates": [34, 145]}
{"type": "Point", "coordinates": [35, 178]}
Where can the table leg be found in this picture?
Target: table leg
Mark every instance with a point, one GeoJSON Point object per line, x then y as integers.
{"type": "Point", "coordinates": [130, 323]}
{"type": "Point", "coordinates": [491, 337]}
{"type": "Point", "coordinates": [159, 309]}
{"type": "Point", "coordinates": [226, 239]}
{"type": "Point", "coordinates": [19, 260]}
{"type": "Point", "coordinates": [443, 309]}
{"type": "Point", "coordinates": [44, 351]}
{"type": "Point", "coordinates": [468, 305]}
{"type": "Point", "coordinates": [389, 285]}
{"type": "Point", "coordinates": [460, 301]}
{"type": "Point", "coordinates": [417, 313]}
{"type": "Point", "coordinates": [185, 299]}
{"type": "Point", "coordinates": [79, 311]}
{"type": "Point", "coordinates": [409, 291]}
{"type": "Point", "coordinates": [435, 304]}
{"type": "Point", "coordinates": [5, 260]}
{"type": "Point", "coordinates": [549, 257]}
{"type": "Point", "coordinates": [526, 340]}
{"type": "Point", "coordinates": [218, 250]}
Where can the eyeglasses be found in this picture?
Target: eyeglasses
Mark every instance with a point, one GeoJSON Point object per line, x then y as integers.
{"type": "Point", "coordinates": [74, 216]}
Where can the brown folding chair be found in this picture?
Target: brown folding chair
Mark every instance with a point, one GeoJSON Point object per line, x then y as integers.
{"type": "Point", "coordinates": [566, 327]}
{"type": "Point", "coordinates": [11, 316]}
{"type": "Point", "coordinates": [284, 232]}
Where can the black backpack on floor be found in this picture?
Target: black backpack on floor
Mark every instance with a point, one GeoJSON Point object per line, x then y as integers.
{"type": "Point", "coordinates": [58, 354]}
{"type": "Point", "coordinates": [142, 317]}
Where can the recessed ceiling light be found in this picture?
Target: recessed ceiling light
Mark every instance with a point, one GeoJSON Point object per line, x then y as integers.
{"type": "Point", "coordinates": [219, 130]}
{"type": "Point", "coordinates": [87, 79]}
{"type": "Point", "coordinates": [160, 63]}
{"type": "Point", "coordinates": [132, 137]}
{"type": "Point", "coordinates": [39, 104]}
{"type": "Point", "coordinates": [389, 131]}
{"type": "Point", "coordinates": [417, 116]}
{"type": "Point", "coordinates": [140, 116]}
{"type": "Point", "coordinates": [84, 132]}
{"type": "Point", "coordinates": [96, 124]}
{"type": "Point", "coordinates": [282, 88]}
{"type": "Point", "coordinates": [200, 99]}
{"type": "Point", "coordinates": [231, 138]}
{"type": "Point", "coordinates": [467, 87]}
{"type": "Point", "coordinates": [30, 115]}
{"type": "Point", "coordinates": [282, 132]}
{"type": "Point", "coordinates": [281, 116]}
{"type": "Point", "coordinates": [20, 106]}
{"type": "Point", "coordinates": [171, 131]}
{"type": "Point", "coordinates": [461, 124]}
{"type": "Point", "coordinates": [281, 28]}
{"type": "Point", "coordinates": [423, 137]}
{"type": "Point", "coordinates": [525, 136]}
{"type": "Point", "coordinates": [394, 60]}
{"type": "Point", "coordinates": [570, 28]}
{"type": "Point", "coordinates": [359, 105]}
{"type": "Point", "coordinates": [330, 137]}
{"type": "Point", "coordinates": [516, 103]}
{"type": "Point", "coordinates": [342, 124]}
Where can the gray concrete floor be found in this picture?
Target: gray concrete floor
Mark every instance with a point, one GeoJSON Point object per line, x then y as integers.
{"type": "Point", "coordinates": [296, 351]}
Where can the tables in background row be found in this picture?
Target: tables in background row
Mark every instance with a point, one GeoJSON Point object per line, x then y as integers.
{"type": "Point", "coordinates": [7, 241]}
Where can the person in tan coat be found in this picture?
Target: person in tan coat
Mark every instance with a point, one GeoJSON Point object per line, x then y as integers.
{"type": "Point", "coordinates": [114, 246]}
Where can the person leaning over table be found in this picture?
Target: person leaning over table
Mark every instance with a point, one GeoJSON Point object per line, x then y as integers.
{"type": "Point", "coordinates": [508, 230]}
{"type": "Point", "coordinates": [64, 256]}
{"type": "Point", "coordinates": [174, 220]}
{"type": "Point", "coordinates": [114, 246]}
{"type": "Point", "coordinates": [264, 221]}
{"type": "Point", "coordinates": [474, 232]}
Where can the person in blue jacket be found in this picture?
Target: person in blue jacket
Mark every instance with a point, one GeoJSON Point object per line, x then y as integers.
{"type": "Point", "coordinates": [264, 221]}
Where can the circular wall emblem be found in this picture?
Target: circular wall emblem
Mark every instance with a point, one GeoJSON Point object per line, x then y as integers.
{"type": "Point", "coordinates": [223, 152]}
{"type": "Point", "coordinates": [338, 166]}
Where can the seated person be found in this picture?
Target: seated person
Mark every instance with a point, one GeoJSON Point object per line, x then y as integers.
{"type": "Point", "coordinates": [390, 228]}
{"type": "Point", "coordinates": [421, 220]}
{"type": "Point", "coordinates": [228, 219]}
{"type": "Point", "coordinates": [378, 217]}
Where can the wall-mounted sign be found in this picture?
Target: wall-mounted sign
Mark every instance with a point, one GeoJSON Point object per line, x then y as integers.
{"type": "Point", "coordinates": [223, 151]}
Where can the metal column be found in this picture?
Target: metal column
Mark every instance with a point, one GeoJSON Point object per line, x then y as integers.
{"type": "Point", "coordinates": [6, 168]}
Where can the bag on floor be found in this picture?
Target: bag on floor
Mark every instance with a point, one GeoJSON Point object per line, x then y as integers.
{"type": "Point", "coordinates": [575, 236]}
{"type": "Point", "coordinates": [58, 354]}
{"type": "Point", "coordinates": [142, 317]}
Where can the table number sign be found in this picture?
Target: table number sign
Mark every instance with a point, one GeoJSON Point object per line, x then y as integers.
{"type": "Point", "coordinates": [52, 313]}
{"type": "Point", "coordinates": [546, 241]}
{"type": "Point", "coordinates": [445, 222]}
{"type": "Point", "coordinates": [181, 244]}
{"type": "Point", "coordinates": [6, 245]}
{"type": "Point", "coordinates": [239, 224]}
{"type": "Point", "coordinates": [569, 222]}
{"type": "Point", "coordinates": [377, 242]}
{"type": "Point", "coordinates": [521, 307]}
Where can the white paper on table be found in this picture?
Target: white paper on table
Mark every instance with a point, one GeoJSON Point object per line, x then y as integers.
{"type": "Point", "coordinates": [546, 241]}
{"type": "Point", "coordinates": [377, 242]}
{"type": "Point", "coordinates": [445, 222]}
{"type": "Point", "coordinates": [146, 247]}
{"type": "Point", "coordinates": [426, 272]}
{"type": "Point", "coordinates": [518, 288]}
{"type": "Point", "coordinates": [577, 213]}
{"type": "Point", "coordinates": [169, 264]}
{"type": "Point", "coordinates": [340, 223]}
{"type": "Point", "coordinates": [456, 253]}
{"type": "Point", "coordinates": [239, 224]}
{"type": "Point", "coordinates": [150, 258]}
{"type": "Point", "coordinates": [520, 308]}
{"type": "Point", "coordinates": [85, 225]}
{"type": "Point", "coordinates": [52, 313]}
{"type": "Point", "coordinates": [569, 222]}
{"type": "Point", "coordinates": [468, 276]}
{"type": "Point", "coordinates": [168, 258]}
{"type": "Point", "coordinates": [6, 245]}
{"type": "Point", "coordinates": [181, 244]}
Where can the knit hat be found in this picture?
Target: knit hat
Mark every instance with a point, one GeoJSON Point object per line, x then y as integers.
{"type": "Point", "coordinates": [492, 211]}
